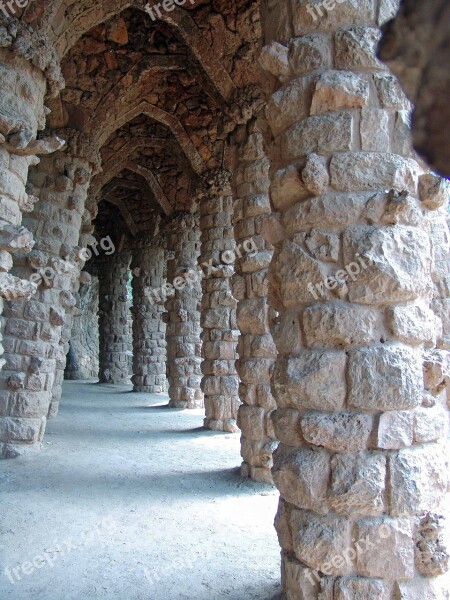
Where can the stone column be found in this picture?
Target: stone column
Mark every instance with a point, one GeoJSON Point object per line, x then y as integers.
{"type": "Point", "coordinates": [114, 308]}
{"type": "Point", "coordinates": [362, 464]}
{"type": "Point", "coordinates": [29, 71]}
{"type": "Point", "coordinates": [149, 344]}
{"type": "Point", "coordinates": [220, 382]}
{"type": "Point", "coordinates": [82, 358]}
{"type": "Point", "coordinates": [256, 349]}
{"type": "Point", "coordinates": [183, 312]}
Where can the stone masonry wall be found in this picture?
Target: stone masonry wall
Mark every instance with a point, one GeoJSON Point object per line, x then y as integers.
{"type": "Point", "coordinates": [149, 344]}
{"type": "Point", "coordinates": [220, 382]}
{"type": "Point", "coordinates": [362, 466]}
{"type": "Point", "coordinates": [114, 308]}
{"type": "Point", "coordinates": [256, 349]}
{"type": "Point", "coordinates": [183, 335]}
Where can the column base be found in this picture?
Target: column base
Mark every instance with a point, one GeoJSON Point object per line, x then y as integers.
{"type": "Point", "coordinates": [260, 474]}
{"type": "Point", "coordinates": [149, 389]}
{"type": "Point", "coordinates": [228, 425]}
{"type": "Point", "coordinates": [9, 450]}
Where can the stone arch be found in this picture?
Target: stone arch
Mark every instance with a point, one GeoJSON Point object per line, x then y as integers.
{"type": "Point", "coordinates": [146, 174]}
{"type": "Point", "coordinates": [153, 112]}
{"type": "Point", "coordinates": [79, 20]}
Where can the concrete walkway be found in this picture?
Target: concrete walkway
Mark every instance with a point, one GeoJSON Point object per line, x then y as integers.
{"type": "Point", "coordinates": [130, 500]}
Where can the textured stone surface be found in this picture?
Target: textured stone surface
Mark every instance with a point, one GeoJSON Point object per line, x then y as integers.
{"type": "Point", "coordinates": [418, 479]}
{"type": "Point", "coordinates": [389, 549]}
{"type": "Point", "coordinates": [339, 432]}
{"type": "Point", "coordinates": [386, 378]}
{"type": "Point", "coordinates": [358, 484]}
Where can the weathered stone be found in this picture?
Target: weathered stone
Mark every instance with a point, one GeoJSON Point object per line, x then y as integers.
{"type": "Point", "coordinates": [418, 479]}
{"type": "Point", "coordinates": [431, 552]}
{"type": "Point", "coordinates": [390, 552]}
{"type": "Point", "coordinates": [392, 264]}
{"type": "Point", "coordinates": [373, 171]}
{"type": "Point", "coordinates": [358, 484]}
{"type": "Point", "coordinates": [302, 477]}
{"type": "Point", "coordinates": [413, 324]}
{"type": "Point", "coordinates": [338, 432]}
{"type": "Point", "coordinates": [434, 191]}
{"type": "Point", "coordinates": [315, 174]}
{"type": "Point", "coordinates": [353, 588]}
{"type": "Point", "coordinates": [395, 430]}
{"type": "Point", "coordinates": [386, 378]}
{"type": "Point", "coordinates": [319, 542]}
{"type": "Point", "coordinates": [355, 48]}
{"type": "Point", "coordinates": [336, 90]}
{"type": "Point", "coordinates": [310, 52]}
{"type": "Point", "coordinates": [324, 134]}
{"type": "Point", "coordinates": [322, 245]}
{"type": "Point", "coordinates": [340, 326]}
{"type": "Point", "coordinates": [313, 381]}
{"type": "Point", "coordinates": [374, 130]}
{"type": "Point", "coordinates": [430, 424]}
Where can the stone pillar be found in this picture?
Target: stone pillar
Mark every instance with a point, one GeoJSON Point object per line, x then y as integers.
{"type": "Point", "coordinates": [184, 344]}
{"type": "Point", "coordinates": [220, 382]}
{"type": "Point", "coordinates": [114, 308]}
{"type": "Point", "coordinates": [29, 71]}
{"type": "Point", "coordinates": [149, 344]}
{"type": "Point", "coordinates": [82, 358]}
{"type": "Point", "coordinates": [362, 464]}
{"type": "Point", "coordinates": [256, 349]}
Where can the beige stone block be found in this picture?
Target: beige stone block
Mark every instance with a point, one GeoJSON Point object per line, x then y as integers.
{"type": "Point", "coordinates": [302, 476]}
{"type": "Point", "coordinates": [341, 326]}
{"type": "Point", "coordinates": [310, 52]}
{"type": "Point", "coordinates": [287, 187]}
{"type": "Point", "coordinates": [338, 432]}
{"type": "Point", "coordinates": [373, 171]}
{"type": "Point", "coordinates": [321, 542]}
{"type": "Point", "coordinates": [288, 105]}
{"type": "Point", "coordinates": [392, 264]}
{"type": "Point", "coordinates": [358, 485]}
{"type": "Point", "coordinates": [413, 324]}
{"type": "Point", "coordinates": [396, 430]}
{"type": "Point", "coordinates": [337, 90]}
{"type": "Point", "coordinates": [323, 134]}
{"type": "Point", "coordinates": [356, 47]}
{"type": "Point", "coordinates": [313, 381]}
{"type": "Point", "coordinates": [375, 135]}
{"type": "Point", "coordinates": [418, 479]}
{"type": "Point", "coordinates": [385, 549]}
{"type": "Point", "coordinates": [386, 378]}
{"type": "Point", "coordinates": [357, 588]}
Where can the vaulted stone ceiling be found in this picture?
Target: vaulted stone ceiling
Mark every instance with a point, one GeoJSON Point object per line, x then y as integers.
{"type": "Point", "coordinates": [151, 95]}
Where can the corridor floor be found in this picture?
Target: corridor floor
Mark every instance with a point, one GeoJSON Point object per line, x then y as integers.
{"type": "Point", "coordinates": [130, 500]}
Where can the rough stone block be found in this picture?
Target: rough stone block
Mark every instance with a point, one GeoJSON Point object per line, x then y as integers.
{"type": "Point", "coordinates": [430, 424]}
{"type": "Point", "coordinates": [310, 52]}
{"type": "Point", "coordinates": [337, 15]}
{"type": "Point", "coordinates": [340, 325]}
{"type": "Point", "coordinates": [339, 432]}
{"type": "Point", "coordinates": [375, 134]}
{"type": "Point", "coordinates": [251, 422]}
{"type": "Point", "coordinates": [373, 171]}
{"type": "Point", "coordinates": [302, 476]}
{"type": "Point", "coordinates": [252, 316]}
{"type": "Point", "coordinates": [336, 90]}
{"type": "Point", "coordinates": [385, 549]}
{"type": "Point", "coordinates": [418, 479]}
{"type": "Point", "coordinates": [357, 588]}
{"type": "Point", "coordinates": [320, 542]}
{"type": "Point", "coordinates": [392, 264]}
{"type": "Point", "coordinates": [356, 48]}
{"type": "Point", "coordinates": [286, 422]}
{"type": "Point", "coordinates": [396, 430]}
{"type": "Point", "coordinates": [358, 485]}
{"type": "Point", "coordinates": [386, 378]}
{"type": "Point", "coordinates": [322, 134]}
{"type": "Point", "coordinates": [313, 381]}
{"type": "Point", "coordinates": [288, 105]}
{"type": "Point", "coordinates": [297, 580]}
{"type": "Point", "coordinates": [413, 324]}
